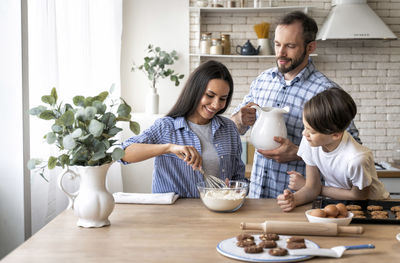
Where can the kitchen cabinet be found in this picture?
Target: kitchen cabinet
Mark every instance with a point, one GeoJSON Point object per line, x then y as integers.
{"type": "Point", "coordinates": [235, 21]}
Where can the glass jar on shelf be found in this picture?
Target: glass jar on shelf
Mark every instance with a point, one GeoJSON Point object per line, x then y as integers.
{"type": "Point", "coordinates": [205, 43]}
{"type": "Point", "coordinates": [226, 43]}
{"type": "Point", "coordinates": [216, 47]}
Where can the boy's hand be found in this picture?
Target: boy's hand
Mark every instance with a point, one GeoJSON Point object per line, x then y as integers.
{"type": "Point", "coordinates": [286, 200]}
{"type": "Point", "coordinates": [296, 180]}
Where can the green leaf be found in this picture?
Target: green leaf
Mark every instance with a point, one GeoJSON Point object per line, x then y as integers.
{"type": "Point", "coordinates": [124, 110]}
{"type": "Point", "coordinates": [63, 159]}
{"type": "Point", "coordinates": [77, 133]}
{"type": "Point", "coordinates": [37, 110]}
{"type": "Point", "coordinates": [79, 101]}
{"type": "Point", "coordinates": [102, 96]}
{"type": "Point", "coordinates": [96, 128]}
{"type": "Point", "coordinates": [51, 137]}
{"type": "Point", "coordinates": [32, 163]}
{"type": "Point", "coordinates": [114, 131]}
{"type": "Point", "coordinates": [117, 154]}
{"type": "Point", "coordinates": [53, 93]}
{"type": "Point", "coordinates": [134, 127]}
{"type": "Point", "coordinates": [90, 113]}
{"type": "Point", "coordinates": [49, 100]}
{"type": "Point", "coordinates": [52, 162]}
{"type": "Point", "coordinates": [56, 128]}
{"type": "Point", "coordinates": [109, 119]}
{"type": "Point", "coordinates": [69, 142]}
{"type": "Point", "coordinates": [67, 119]}
{"type": "Point", "coordinates": [80, 114]}
{"type": "Point", "coordinates": [47, 115]}
{"type": "Point", "coordinates": [89, 101]}
{"type": "Point", "coordinates": [100, 107]}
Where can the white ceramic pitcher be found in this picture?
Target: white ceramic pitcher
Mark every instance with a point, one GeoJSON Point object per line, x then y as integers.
{"type": "Point", "coordinates": [92, 203]}
{"type": "Point", "coordinates": [269, 123]}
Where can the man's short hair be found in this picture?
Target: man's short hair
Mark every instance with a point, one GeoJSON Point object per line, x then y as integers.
{"type": "Point", "coordinates": [310, 28]}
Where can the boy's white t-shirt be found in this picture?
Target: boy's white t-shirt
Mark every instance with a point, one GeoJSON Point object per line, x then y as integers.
{"type": "Point", "coordinates": [349, 164]}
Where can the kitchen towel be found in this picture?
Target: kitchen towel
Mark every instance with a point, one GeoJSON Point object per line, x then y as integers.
{"type": "Point", "coordinates": [145, 198]}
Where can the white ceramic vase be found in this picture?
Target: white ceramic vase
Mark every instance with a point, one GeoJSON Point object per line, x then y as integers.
{"type": "Point", "coordinates": [92, 203]}
{"type": "Point", "coordinates": [152, 101]}
{"type": "Point", "coordinates": [265, 46]}
{"type": "Point", "coordinates": [269, 123]}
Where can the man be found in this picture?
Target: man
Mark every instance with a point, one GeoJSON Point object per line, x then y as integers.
{"type": "Point", "coordinates": [292, 83]}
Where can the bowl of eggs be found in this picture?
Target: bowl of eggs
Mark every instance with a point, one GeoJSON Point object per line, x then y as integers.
{"type": "Point", "coordinates": [333, 213]}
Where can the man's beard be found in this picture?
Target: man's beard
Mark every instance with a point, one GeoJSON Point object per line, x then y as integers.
{"type": "Point", "coordinates": [295, 63]}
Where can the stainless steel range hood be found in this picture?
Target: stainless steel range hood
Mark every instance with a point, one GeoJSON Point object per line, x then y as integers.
{"type": "Point", "coordinates": [353, 19]}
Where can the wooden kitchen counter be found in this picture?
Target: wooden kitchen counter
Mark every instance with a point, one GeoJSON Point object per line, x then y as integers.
{"type": "Point", "coordinates": [183, 232]}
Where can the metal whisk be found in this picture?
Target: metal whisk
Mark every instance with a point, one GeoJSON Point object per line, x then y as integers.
{"type": "Point", "coordinates": [212, 181]}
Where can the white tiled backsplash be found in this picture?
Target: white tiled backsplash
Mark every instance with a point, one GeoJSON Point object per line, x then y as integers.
{"type": "Point", "coordinates": [368, 69]}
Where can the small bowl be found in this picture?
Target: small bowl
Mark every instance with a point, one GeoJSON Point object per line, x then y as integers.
{"type": "Point", "coordinates": [227, 199]}
{"type": "Point", "coordinates": [340, 221]}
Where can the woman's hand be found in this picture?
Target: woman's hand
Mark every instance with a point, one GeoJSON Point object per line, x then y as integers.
{"type": "Point", "coordinates": [286, 201]}
{"type": "Point", "coordinates": [296, 180]}
{"type": "Point", "coordinates": [189, 154]}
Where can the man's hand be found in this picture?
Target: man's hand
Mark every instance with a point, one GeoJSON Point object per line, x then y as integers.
{"type": "Point", "coordinates": [245, 117]}
{"type": "Point", "coordinates": [286, 152]}
{"type": "Point", "coordinates": [296, 180]}
{"type": "Point", "coordinates": [286, 201]}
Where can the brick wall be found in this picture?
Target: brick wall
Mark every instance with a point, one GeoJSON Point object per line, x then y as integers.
{"type": "Point", "coordinates": [368, 69]}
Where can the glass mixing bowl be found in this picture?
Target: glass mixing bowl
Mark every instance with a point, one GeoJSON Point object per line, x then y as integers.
{"type": "Point", "coordinates": [227, 199]}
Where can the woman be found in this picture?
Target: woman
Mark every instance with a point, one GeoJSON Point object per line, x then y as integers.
{"type": "Point", "coordinates": [192, 136]}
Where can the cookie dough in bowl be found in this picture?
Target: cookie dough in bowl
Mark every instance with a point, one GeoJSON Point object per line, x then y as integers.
{"type": "Point", "coordinates": [227, 199]}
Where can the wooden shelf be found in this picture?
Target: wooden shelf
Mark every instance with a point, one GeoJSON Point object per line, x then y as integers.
{"type": "Point", "coordinates": [238, 56]}
{"type": "Point", "coordinates": [249, 9]}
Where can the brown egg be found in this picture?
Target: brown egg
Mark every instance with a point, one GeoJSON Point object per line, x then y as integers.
{"type": "Point", "coordinates": [342, 209]}
{"type": "Point", "coordinates": [331, 210]}
{"type": "Point", "coordinates": [318, 213]}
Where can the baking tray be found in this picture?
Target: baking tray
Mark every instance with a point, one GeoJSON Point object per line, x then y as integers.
{"type": "Point", "coordinates": [322, 202]}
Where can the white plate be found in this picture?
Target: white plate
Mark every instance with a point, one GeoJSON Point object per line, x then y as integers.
{"type": "Point", "coordinates": [229, 249]}
{"type": "Point", "coordinates": [398, 236]}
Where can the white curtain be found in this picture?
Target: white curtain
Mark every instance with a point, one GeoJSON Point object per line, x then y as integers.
{"type": "Point", "coordinates": [74, 45]}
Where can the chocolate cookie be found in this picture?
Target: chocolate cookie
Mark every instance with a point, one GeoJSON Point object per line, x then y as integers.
{"type": "Point", "coordinates": [374, 208]}
{"type": "Point", "coordinates": [359, 216]}
{"type": "Point", "coordinates": [245, 243]}
{"type": "Point", "coordinates": [267, 244]}
{"type": "Point", "coordinates": [295, 239]}
{"type": "Point", "coordinates": [379, 216]}
{"type": "Point", "coordinates": [353, 207]}
{"type": "Point", "coordinates": [278, 251]}
{"type": "Point", "coordinates": [269, 237]}
{"type": "Point", "coordinates": [244, 236]}
{"type": "Point", "coordinates": [375, 213]}
{"type": "Point", "coordinates": [358, 212]}
{"type": "Point", "coordinates": [295, 245]}
{"type": "Point", "coordinates": [395, 209]}
{"type": "Point", "coordinates": [253, 249]}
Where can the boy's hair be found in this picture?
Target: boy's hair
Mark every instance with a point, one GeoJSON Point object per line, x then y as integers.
{"type": "Point", "coordinates": [330, 111]}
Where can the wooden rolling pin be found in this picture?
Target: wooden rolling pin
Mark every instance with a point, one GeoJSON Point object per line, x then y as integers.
{"type": "Point", "coordinates": [302, 228]}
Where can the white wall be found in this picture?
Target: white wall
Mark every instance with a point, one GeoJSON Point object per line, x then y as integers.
{"type": "Point", "coordinates": [11, 133]}
{"type": "Point", "coordinates": [164, 24]}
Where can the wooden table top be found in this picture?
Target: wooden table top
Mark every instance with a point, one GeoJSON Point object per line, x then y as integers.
{"type": "Point", "coordinates": [183, 232]}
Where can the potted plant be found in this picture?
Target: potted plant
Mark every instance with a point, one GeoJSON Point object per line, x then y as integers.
{"type": "Point", "coordinates": [156, 65]}
{"type": "Point", "coordinates": [85, 134]}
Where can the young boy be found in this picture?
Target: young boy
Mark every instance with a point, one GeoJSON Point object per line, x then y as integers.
{"type": "Point", "coordinates": [331, 152]}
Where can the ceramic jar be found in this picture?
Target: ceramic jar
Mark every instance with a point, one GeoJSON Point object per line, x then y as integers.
{"type": "Point", "coordinates": [92, 203]}
{"type": "Point", "coordinates": [226, 43]}
{"type": "Point", "coordinates": [269, 123]}
{"type": "Point", "coordinates": [216, 47]}
{"type": "Point", "coordinates": [205, 43]}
